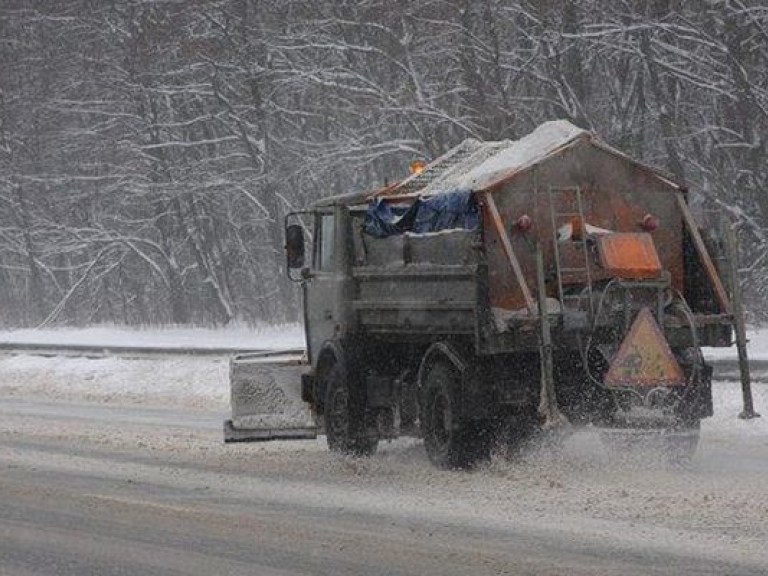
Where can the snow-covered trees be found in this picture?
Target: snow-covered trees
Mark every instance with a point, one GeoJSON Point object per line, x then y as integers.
{"type": "Point", "coordinates": [149, 150]}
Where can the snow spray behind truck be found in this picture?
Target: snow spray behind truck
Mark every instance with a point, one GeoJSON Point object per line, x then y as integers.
{"type": "Point", "coordinates": [506, 286]}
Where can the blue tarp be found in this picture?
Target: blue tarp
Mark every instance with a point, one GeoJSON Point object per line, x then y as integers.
{"type": "Point", "coordinates": [441, 212]}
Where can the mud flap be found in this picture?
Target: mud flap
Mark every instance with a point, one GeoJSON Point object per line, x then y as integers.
{"type": "Point", "coordinates": [266, 399]}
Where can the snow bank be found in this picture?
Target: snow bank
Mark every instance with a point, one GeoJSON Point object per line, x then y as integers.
{"type": "Point", "coordinates": [728, 404]}
{"type": "Point", "coordinates": [169, 381]}
{"type": "Point", "coordinates": [204, 382]}
{"type": "Point", "coordinates": [757, 347]}
{"type": "Point", "coordinates": [267, 337]}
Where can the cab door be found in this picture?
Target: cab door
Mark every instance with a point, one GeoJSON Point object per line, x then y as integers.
{"type": "Point", "coordinates": [322, 317]}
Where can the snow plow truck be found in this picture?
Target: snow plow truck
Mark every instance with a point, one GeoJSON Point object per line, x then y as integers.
{"type": "Point", "coordinates": [504, 287]}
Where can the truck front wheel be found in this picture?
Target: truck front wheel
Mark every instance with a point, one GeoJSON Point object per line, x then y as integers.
{"type": "Point", "coordinates": [451, 441]}
{"type": "Point", "coordinates": [345, 425]}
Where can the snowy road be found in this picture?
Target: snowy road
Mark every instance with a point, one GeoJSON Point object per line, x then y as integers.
{"type": "Point", "coordinates": [117, 466]}
{"type": "Point", "coordinates": [115, 489]}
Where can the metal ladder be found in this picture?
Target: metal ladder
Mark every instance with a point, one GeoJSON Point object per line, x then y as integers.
{"type": "Point", "coordinates": [559, 219]}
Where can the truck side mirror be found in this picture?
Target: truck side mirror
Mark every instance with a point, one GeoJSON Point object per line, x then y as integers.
{"type": "Point", "coordinates": [294, 246]}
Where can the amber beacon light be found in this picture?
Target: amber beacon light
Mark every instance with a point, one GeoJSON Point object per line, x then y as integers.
{"type": "Point", "coordinates": [417, 166]}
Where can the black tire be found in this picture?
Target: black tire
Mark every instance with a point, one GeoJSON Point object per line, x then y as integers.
{"type": "Point", "coordinates": [516, 432]}
{"type": "Point", "coordinates": [345, 425]}
{"type": "Point", "coordinates": [451, 441]}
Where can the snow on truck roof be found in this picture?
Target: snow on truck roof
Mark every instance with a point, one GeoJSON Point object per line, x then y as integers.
{"type": "Point", "coordinates": [498, 159]}
{"type": "Point", "coordinates": [477, 165]}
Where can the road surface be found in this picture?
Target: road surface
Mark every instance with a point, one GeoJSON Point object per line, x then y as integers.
{"type": "Point", "coordinates": [98, 489]}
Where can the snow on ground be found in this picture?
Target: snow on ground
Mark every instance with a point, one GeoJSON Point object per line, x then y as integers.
{"type": "Point", "coordinates": [726, 397]}
{"type": "Point", "coordinates": [265, 337]}
{"type": "Point", "coordinates": [190, 381]}
{"type": "Point", "coordinates": [186, 381]}
{"type": "Point", "coordinates": [203, 383]}
{"type": "Point", "coordinates": [722, 495]}
{"type": "Point", "coordinates": [757, 347]}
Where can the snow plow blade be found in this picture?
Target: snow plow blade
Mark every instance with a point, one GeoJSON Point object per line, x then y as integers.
{"type": "Point", "coordinates": [266, 398]}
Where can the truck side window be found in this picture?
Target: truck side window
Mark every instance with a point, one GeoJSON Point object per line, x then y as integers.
{"type": "Point", "coordinates": [324, 255]}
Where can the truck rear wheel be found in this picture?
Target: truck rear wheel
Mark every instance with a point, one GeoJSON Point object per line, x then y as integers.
{"type": "Point", "coordinates": [451, 441]}
{"type": "Point", "coordinates": [345, 423]}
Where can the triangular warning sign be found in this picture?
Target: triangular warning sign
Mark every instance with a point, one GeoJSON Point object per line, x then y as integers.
{"type": "Point", "coordinates": [644, 358]}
